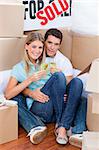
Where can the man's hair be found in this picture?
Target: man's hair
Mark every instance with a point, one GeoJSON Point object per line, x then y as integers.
{"type": "Point", "coordinates": [54, 32]}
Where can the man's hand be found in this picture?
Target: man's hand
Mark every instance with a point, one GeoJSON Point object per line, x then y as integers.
{"type": "Point", "coordinates": [39, 96]}
{"type": "Point", "coordinates": [54, 69]}
{"type": "Point", "coordinates": [38, 75]}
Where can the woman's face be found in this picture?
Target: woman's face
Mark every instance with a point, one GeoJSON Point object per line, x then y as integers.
{"type": "Point", "coordinates": [34, 49]}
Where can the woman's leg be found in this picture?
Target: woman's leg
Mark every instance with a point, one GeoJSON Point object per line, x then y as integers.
{"type": "Point", "coordinates": [43, 110]}
{"type": "Point", "coordinates": [26, 118]}
{"type": "Point", "coordinates": [30, 122]}
{"type": "Point", "coordinates": [74, 91]}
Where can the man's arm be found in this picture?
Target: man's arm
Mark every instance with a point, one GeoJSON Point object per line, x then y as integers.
{"type": "Point", "coordinates": [65, 65]}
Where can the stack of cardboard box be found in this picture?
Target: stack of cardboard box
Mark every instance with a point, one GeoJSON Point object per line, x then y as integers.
{"type": "Point", "coordinates": [11, 30]}
{"type": "Point", "coordinates": [11, 42]}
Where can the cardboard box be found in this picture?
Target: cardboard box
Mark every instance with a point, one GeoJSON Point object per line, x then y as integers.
{"type": "Point", "coordinates": [90, 141]}
{"type": "Point", "coordinates": [11, 51]}
{"type": "Point", "coordinates": [11, 19]}
{"type": "Point", "coordinates": [83, 46]}
{"type": "Point", "coordinates": [8, 123]}
{"type": "Point", "coordinates": [92, 118]}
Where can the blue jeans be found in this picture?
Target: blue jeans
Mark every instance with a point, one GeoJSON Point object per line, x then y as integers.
{"type": "Point", "coordinates": [48, 112]}
{"type": "Point", "coordinates": [73, 91]}
{"type": "Point", "coordinates": [79, 124]}
{"type": "Point", "coordinates": [55, 88]}
{"type": "Point", "coordinates": [41, 113]}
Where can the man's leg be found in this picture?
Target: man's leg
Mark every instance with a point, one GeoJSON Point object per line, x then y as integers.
{"type": "Point", "coordinates": [74, 91]}
{"type": "Point", "coordinates": [55, 88]}
{"type": "Point", "coordinates": [79, 124]}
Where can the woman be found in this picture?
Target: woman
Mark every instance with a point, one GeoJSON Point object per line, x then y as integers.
{"type": "Point", "coordinates": [45, 101]}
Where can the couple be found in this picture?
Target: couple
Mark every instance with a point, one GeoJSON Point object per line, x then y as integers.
{"type": "Point", "coordinates": [49, 95]}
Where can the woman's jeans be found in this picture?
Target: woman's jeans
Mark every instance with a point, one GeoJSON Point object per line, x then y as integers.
{"type": "Point", "coordinates": [53, 110]}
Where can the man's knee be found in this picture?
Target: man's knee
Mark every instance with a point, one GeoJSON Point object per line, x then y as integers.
{"type": "Point", "coordinates": [60, 76]}
{"type": "Point", "coordinates": [77, 83]}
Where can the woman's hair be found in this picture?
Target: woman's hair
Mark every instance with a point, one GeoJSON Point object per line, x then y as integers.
{"type": "Point", "coordinates": [33, 36]}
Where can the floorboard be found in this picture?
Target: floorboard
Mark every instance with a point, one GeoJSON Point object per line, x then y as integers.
{"type": "Point", "coordinates": [23, 143]}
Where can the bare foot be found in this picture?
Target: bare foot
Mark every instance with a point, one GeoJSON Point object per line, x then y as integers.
{"type": "Point", "coordinates": [61, 136]}
{"type": "Point", "coordinates": [62, 132]}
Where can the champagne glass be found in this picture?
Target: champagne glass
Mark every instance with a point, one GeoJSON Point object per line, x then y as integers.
{"type": "Point", "coordinates": [53, 66]}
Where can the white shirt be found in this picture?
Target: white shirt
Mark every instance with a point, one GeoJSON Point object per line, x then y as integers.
{"type": "Point", "coordinates": [62, 63]}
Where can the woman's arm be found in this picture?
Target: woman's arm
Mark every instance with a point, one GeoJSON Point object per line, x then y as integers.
{"type": "Point", "coordinates": [13, 88]}
{"type": "Point", "coordinates": [36, 94]}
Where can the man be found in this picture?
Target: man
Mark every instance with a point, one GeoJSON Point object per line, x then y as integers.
{"type": "Point", "coordinates": [53, 38]}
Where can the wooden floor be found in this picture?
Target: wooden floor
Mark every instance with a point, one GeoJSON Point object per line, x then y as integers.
{"type": "Point", "coordinates": [49, 142]}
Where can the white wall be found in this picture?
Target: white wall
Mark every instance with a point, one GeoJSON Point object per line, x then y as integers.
{"type": "Point", "coordinates": [85, 16]}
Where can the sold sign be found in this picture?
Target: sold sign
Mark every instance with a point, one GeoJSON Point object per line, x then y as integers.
{"type": "Point", "coordinates": [43, 14]}
{"type": "Point", "coordinates": [51, 11]}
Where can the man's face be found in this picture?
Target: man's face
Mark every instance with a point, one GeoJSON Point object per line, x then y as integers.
{"type": "Point", "coordinates": [52, 44]}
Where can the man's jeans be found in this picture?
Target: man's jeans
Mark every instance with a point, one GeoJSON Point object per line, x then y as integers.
{"type": "Point", "coordinates": [55, 88]}
{"type": "Point", "coordinates": [73, 91]}
{"type": "Point", "coordinates": [79, 124]}
{"type": "Point", "coordinates": [47, 112]}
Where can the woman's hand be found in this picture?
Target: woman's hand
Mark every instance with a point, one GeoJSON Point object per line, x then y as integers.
{"type": "Point", "coordinates": [39, 96]}
{"type": "Point", "coordinates": [37, 76]}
